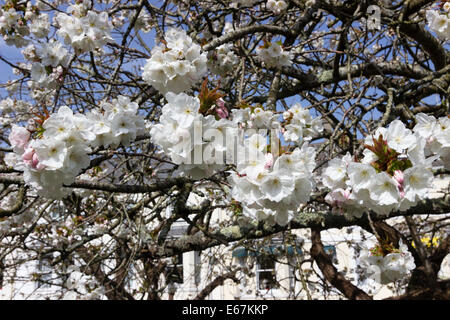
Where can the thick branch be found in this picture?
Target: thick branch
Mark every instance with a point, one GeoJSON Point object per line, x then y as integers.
{"type": "Point", "coordinates": [420, 278]}
{"type": "Point", "coordinates": [240, 33]}
{"type": "Point", "coordinates": [109, 187]}
{"type": "Point", "coordinates": [317, 220]}
{"type": "Point", "coordinates": [17, 205]}
{"type": "Point", "coordinates": [326, 77]}
{"type": "Point", "coordinates": [216, 283]}
{"type": "Point", "coordinates": [440, 292]}
{"type": "Point", "coordinates": [330, 273]}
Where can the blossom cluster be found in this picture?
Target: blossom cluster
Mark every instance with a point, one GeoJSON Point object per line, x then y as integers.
{"type": "Point", "coordinates": [13, 111]}
{"type": "Point", "coordinates": [300, 125]}
{"type": "Point", "coordinates": [223, 60]}
{"type": "Point", "coordinates": [270, 188]}
{"type": "Point", "coordinates": [394, 174]}
{"type": "Point", "coordinates": [273, 55]}
{"type": "Point", "coordinates": [53, 154]}
{"type": "Point", "coordinates": [297, 126]}
{"type": "Point", "coordinates": [191, 133]}
{"type": "Point", "coordinates": [255, 118]}
{"type": "Point", "coordinates": [217, 27]}
{"type": "Point", "coordinates": [143, 22]}
{"type": "Point", "coordinates": [13, 25]}
{"type": "Point", "coordinates": [436, 132]}
{"type": "Point", "coordinates": [276, 6]}
{"type": "Point", "coordinates": [440, 22]}
{"type": "Point", "coordinates": [385, 264]}
{"type": "Point", "coordinates": [48, 63]}
{"type": "Point", "coordinates": [176, 64]}
{"type": "Point", "coordinates": [81, 284]}
{"type": "Point", "coordinates": [84, 29]}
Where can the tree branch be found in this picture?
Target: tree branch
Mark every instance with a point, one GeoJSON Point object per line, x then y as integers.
{"type": "Point", "coordinates": [216, 283]}
{"type": "Point", "coordinates": [330, 273]}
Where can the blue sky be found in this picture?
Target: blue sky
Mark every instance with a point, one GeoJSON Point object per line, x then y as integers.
{"type": "Point", "coordinates": [10, 53]}
{"type": "Point", "coordinates": [14, 55]}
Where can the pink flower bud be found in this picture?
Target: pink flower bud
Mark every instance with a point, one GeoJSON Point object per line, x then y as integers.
{"type": "Point", "coordinates": [34, 160]}
{"type": "Point", "coordinates": [338, 197]}
{"type": "Point", "coordinates": [222, 113]}
{"type": "Point", "coordinates": [220, 103]}
{"type": "Point", "coordinates": [27, 156]}
{"type": "Point", "coordinates": [399, 177]}
{"type": "Point", "coordinates": [31, 159]}
{"type": "Point", "coordinates": [221, 110]}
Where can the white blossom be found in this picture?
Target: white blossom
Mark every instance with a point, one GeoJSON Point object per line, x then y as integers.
{"type": "Point", "coordinates": [177, 65]}
{"type": "Point", "coordinates": [63, 150]}
{"type": "Point", "coordinates": [390, 267]}
{"type": "Point", "coordinates": [274, 56]}
{"type": "Point", "coordinates": [439, 23]}
{"type": "Point", "coordinates": [276, 6]}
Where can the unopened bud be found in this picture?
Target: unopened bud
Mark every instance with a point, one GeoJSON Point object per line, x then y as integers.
{"type": "Point", "coordinates": [399, 177]}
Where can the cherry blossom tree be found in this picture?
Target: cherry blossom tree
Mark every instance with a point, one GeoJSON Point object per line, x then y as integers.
{"type": "Point", "coordinates": [120, 118]}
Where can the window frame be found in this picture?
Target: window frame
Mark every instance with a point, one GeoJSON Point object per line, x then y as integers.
{"type": "Point", "coordinates": [44, 273]}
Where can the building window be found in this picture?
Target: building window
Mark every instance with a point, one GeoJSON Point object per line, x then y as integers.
{"type": "Point", "coordinates": [175, 271]}
{"type": "Point", "coordinates": [265, 263]}
{"type": "Point", "coordinates": [265, 272]}
{"type": "Point", "coordinates": [44, 273]}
